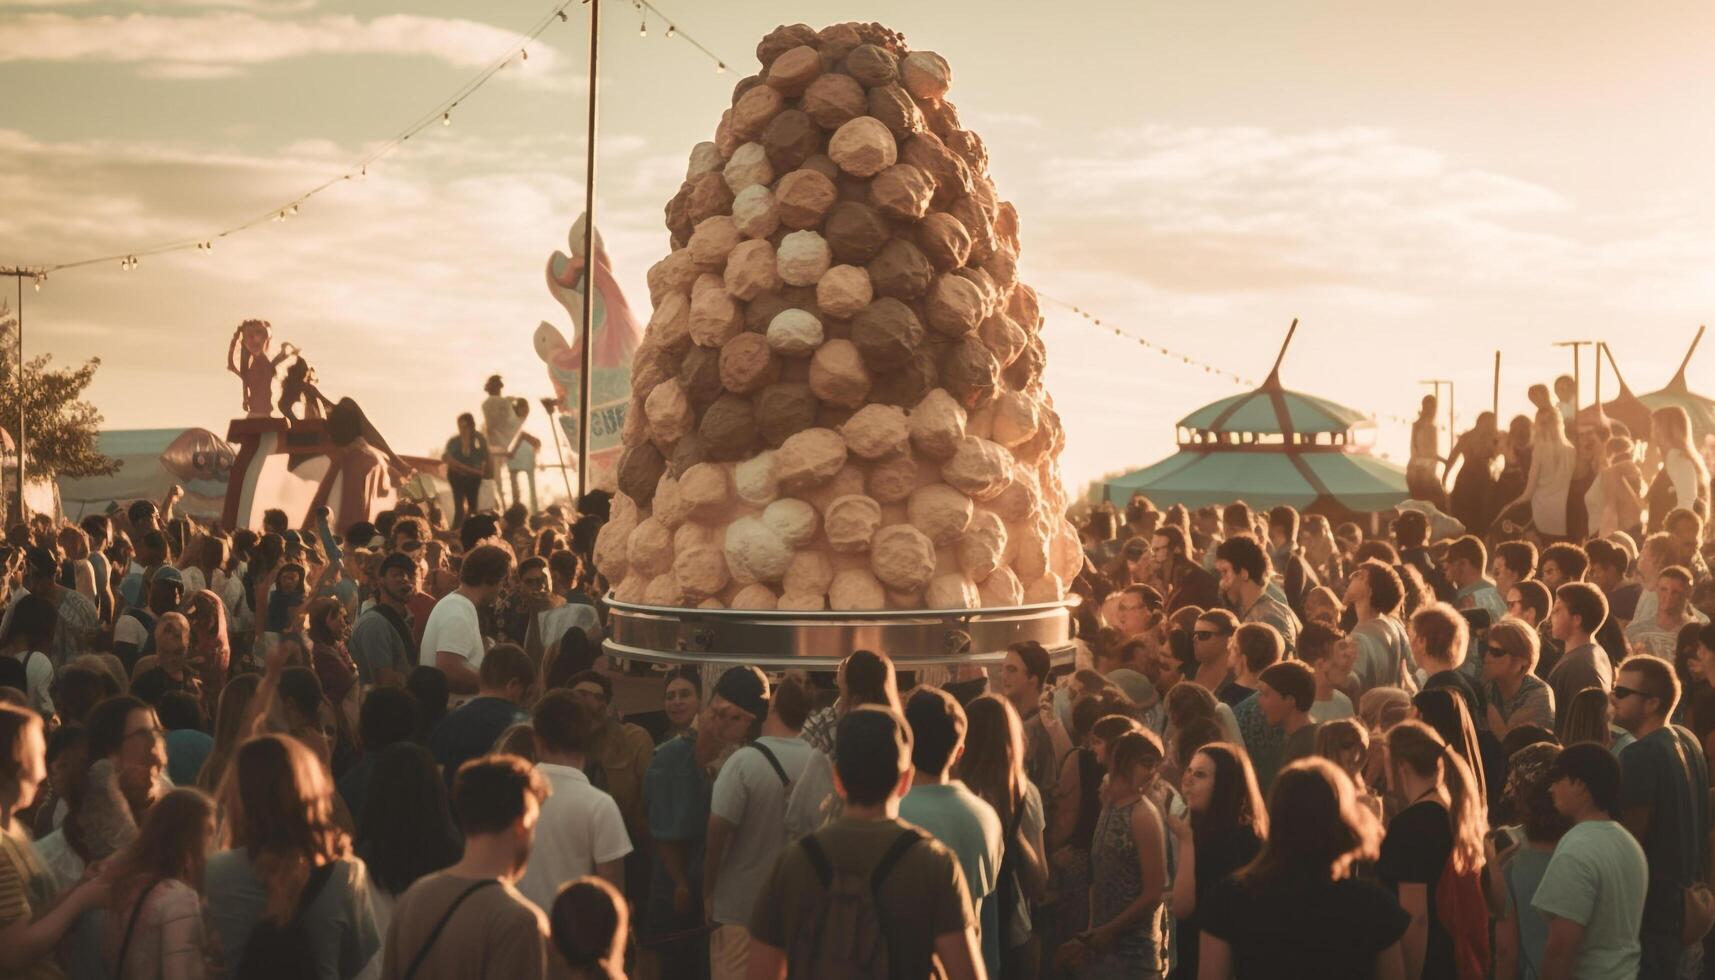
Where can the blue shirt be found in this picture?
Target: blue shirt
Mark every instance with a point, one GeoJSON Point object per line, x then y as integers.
{"type": "Point", "coordinates": [971, 829]}
{"type": "Point", "coordinates": [677, 792]}
{"type": "Point", "coordinates": [187, 750]}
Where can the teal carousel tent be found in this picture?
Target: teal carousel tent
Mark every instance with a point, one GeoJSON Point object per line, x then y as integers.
{"type": "Point", "coordinates": [1268, 447]}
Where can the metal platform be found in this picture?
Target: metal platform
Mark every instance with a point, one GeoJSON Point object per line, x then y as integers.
{"type": "Point", "coordinates": [820, 640]}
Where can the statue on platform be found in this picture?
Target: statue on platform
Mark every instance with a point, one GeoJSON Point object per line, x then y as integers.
{"type": "Point", "coordinates": [616, 333]}
{"type": "Point", "coordinates": [347, 425]}
{"type": "Point", "coordinates": [247, 357]}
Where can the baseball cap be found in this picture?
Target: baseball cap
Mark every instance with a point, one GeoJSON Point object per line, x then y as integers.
{"type": "Point", "coordinates": [746, 687]}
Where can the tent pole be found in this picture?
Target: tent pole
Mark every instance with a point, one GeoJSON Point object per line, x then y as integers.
{"type": "Point", "coordinates": [1274, 372]}
{"type": "Point", "coordinates": [1495, 398]}
{"type": "Point", "coordinates": [1679, 376]}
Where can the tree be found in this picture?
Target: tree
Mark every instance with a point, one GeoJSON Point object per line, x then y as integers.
{"type": "Point", "coordinates": [59, 426]}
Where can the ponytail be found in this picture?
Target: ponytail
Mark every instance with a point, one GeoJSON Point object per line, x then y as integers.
{"type": "Point", "coordinates": [1414, 744]}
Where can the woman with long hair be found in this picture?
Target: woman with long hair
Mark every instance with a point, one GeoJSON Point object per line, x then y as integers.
{"type": "Point", "coordinates": [1225, 832]}
{"type": "Point", "coordinates": [1620, 485]}
{"type": "Point", "coordinates": [1521, 932]}
{"type": "Point", "coordinates": [1444, 710]}
{"type": "Point", "coordinates": [231, 713]}
{"type": "Point", "coordinates": [32, 917]}
{"type": "Point", "coordinates": [1590, 718]}
{"type": "Point", "coordinates": [329, 626]}
{"type": "Point", "coordinates": [76, 571]}
{"type": "Point", "coordinates": [154, 926]}
{"type": "Point", "coordinates": [1128, 861]}
{"type": "Point", "coordinates": [210, 652]}
{"type": "Point", "coordinates": [1346, 743]}
{"type": "Point", "coordinates": [287, 862]}
{"type": "Point", "coordinates": [1683, 480]}
{"type": "Point", "coordinates": [1294, 911]}
{"type": "Point", "coordinates": [406, 830]}
{"type": "Point", "coordinates": [29, 639]}
{"type": "Point", "coordinates": [1549, 480]}
{"type": "Point", "coordinates": [1436, 842]}
{"type": "Point", "coordinates": [992, 767]}
{"type": "Point", "coordinates": [1469, 501]}
{"type": "Point", "coordinates": [1078, 804]}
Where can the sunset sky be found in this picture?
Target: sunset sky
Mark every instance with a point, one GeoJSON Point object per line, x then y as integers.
{"type": "Point", "coordinates": [1418, 184]}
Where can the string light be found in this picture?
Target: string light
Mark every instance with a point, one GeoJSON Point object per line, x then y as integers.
{"type": "Point", "coordinates": [517, 51]}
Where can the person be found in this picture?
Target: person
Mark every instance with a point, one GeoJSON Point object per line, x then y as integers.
{"type": "Point", "coordinates": [1285, 695]}
{"type": "Point", "coordinates": [1186, 583]}
{"type": "Point", "coordinates": [386, 717]}
{"type": "Point", "coordinates": [1294, 911]}
{"type": "Point", "coordinates": [381, 643]}
{"type": "Point", "coordinates": [286, 862]}
{"type": "Point", "coordinates": [506, 680]}
{"type": "Point", "coordinates": [949, 811]}
{"type": "Point", "coordinates": [1077, 807]}
{"type": "Point", "coordinates": [1579, 611]}
{"type": "Point", "coordinates": [126, 776]}
{"type": "Point", "coordinates": [501, 426]}
{"type": "Point", "coordinates": [1513, 696]}
{"type": "Point", "coordinates": [1243, 567]}
{"type": "Point", "coordinates": [677, 790]}
{"type": "Point", "coordinates": [1438, 643]}
{"type": "Point", "coordinates": [1521, 932]}
{"type": "Point", "coordinates": [1222, 831]}
{"type": "Point", "coordinates": [247, 357]}
{"type": "Point", "coordinates": [1374, 593]}
{"type": "Point", "coordinates": [747, 825]}
{"type": "Point", "coordinates": [1607, 571]}
{"type": "Point", "coordinates": [470, 920]}
{"type": "Point", "coordinates": [1664, 802]}
{"type": "Point", "coordinates": [1465, 565]}
{"type": "Point", "coordinates": [1683, 480]}
{"type": "Point", "coordinates": [467, 459]}
{"type": "Point", "coordinates": [32, 918]}
{"type": "Point", "coordinates": [1331, 655]}
{"type": "Point", "coordinates": [1444, 711]}
{"type": "Point", "coordinates": [1346, 743]}
{"type": "Point", "coordinates": [522, 460]}
{"type": "Point", "coordinates": [681, 701]}
{"type": "Point", "coordinates": [589, 923]}
{"type": "Point", "coordinates": [920, 900]}
{"type": "Point", "coordinates": [1128, 860]}
{"type": "Point", "coordinates": [452, 637]}
{"type": "Point", "coordinates": [1470, 500]}
{"type": "Point", "coordinates": [579, 831]}
{"type": "Point", "coordinates": [1211, 646]}
{"type": "Point", "coordinates": [154, 926]}
{"type": "Point", "coordinates": [619, 751]}
{"type": "Point", "coordinates": [209, 651]}
{"type": "Point", "coordinates": [1549, 480]}
{"type": "Point", "coordinates": [1657, 635]}
{"type": "Point", "coordinates": [78, 619]}
{"type": "Point", "coordinates": [992, 767]}
{"type": "Point", "coordinates": [1135, 609]}
{"type": "Point", "coordinates": [171, 671]}
{"type": "Point", "coordinates": [27, 638]}
{"type": "Point", "coordinates": [1023, 677]}
{"type": "Point", "coordinates": [1621, 491]}
{"type": "Point", "coordinates": [864, 677]}
{"type": "Point", "coordinates": [1592, 892]}
{"type": "Point", "coordinates": [1421, 476]}
{"type": "Point", "coordinates": [231, 716]}
{"type": "Point", "coordinates": [1514, 562]}
{"type": "Point", "coordinates": [1436, 842]}
{"type": "Point", "coordinates": [1256, 648]}
{"type": "Point", "coordinates": [405, 832]}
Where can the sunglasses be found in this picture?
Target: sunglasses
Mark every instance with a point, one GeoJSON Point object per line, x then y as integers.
{"type": "Point", "coordinates": [1497, 651]}
{"type": "Point", "coordinates": [1205, 634]}
{"type": "Point", "coordinates": [1621, 692]}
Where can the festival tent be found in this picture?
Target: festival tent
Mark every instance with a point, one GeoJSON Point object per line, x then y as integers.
{"type": "Point", "coordinates": [150, 462]}
{"type": "Point", "coordinates": [1677, 392]}
{"type": "Point", "coordinates": [1268, 447]}
{"type": "Point", "coordinates": [1624, 407]}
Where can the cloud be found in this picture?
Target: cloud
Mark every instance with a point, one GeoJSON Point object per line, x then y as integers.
{"type": "Point", "coordinates": [222, 43]}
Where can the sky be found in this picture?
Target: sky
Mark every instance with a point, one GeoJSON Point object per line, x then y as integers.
{"type": "Point", "coordinates": [1419, 187]}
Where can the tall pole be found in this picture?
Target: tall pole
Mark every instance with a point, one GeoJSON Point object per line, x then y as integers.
{"type": "Point", "coordinates": [18, 275]}
{"type": "Point", "coordinates": [1495, 398]}
{"type": "Point", "coordinates": [559, 454]}
{"type": "Point", "coordinates": [1577, 373]}
{"type": "Point", "coordinates": [586, 363]}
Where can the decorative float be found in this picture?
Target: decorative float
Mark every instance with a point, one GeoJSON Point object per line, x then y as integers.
{"type": "Point", "coordinates": [838, 434]}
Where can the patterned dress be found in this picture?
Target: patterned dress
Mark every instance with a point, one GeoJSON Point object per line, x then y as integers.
{"type": "Point", "coordinates": [1115, 882]}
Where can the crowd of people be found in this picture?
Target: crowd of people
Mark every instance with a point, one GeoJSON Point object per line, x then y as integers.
{"type": "Point", "coordinates": [1280, 747]}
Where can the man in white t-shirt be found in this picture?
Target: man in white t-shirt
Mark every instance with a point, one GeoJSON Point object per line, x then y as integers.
{"type": "Point", "coordinates": [452, 638]}
{"type": "Point", "coordinates": [747, 815]}
{"type": "Point", "coordinates": [580, 831]}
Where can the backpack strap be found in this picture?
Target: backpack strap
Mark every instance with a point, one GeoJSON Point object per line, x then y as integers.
{"type": "Point", "coordinates": [773, 760]}
{"type": "Point", "coordinates": [435, 933]}
{"type": "Point", "coordinates": [884, 867]}
{"type": "Point", "coordinates": [818, 859]}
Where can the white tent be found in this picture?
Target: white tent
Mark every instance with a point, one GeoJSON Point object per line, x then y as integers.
{"type": "Point", "coordinates": [151, 461]}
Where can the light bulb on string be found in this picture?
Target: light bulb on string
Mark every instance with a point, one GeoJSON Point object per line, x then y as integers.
{"type": "Point", "coordinates": [446, 118]}
{"type": "Point", "coordinates": [294, 209]}
{"type": "Point", "coordinates": [720, 68]}
{"type": "Point", "coordinates": [643, 27]}
{"type": "Point", "coordinates": [669, 30]}
{"type": "Point", "coordinates": [560, 14]}
{"type": "Point", "coordinates": [524, 54]}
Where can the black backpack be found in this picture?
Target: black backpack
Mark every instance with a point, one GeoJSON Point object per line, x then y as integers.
{"type": "Point", "coordinates": [844, 937]}
{"type": "Point", "coordinates": [275, 952]}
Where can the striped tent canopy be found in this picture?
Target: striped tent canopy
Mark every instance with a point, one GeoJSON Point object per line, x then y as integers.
{"type": "Point", "coordinates": [1268, 447]}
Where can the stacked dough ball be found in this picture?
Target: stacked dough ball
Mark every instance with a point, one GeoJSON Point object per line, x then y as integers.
{"type": "Point", "coordinates": [838, 403]}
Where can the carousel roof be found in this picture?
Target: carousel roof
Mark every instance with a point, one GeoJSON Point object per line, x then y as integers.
{"type": "Point", "coordinates": [1269, 447]}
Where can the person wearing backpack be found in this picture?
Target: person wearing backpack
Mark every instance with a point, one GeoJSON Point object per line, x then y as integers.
{"type": "Point", "coordinates": [747, 825]}
{"type": "Point", "coordinates": [868, 895]}
{"type": "Point", "coordinates": [287, 899]}
{"type": "Point", "coordinates": [469, 921]}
